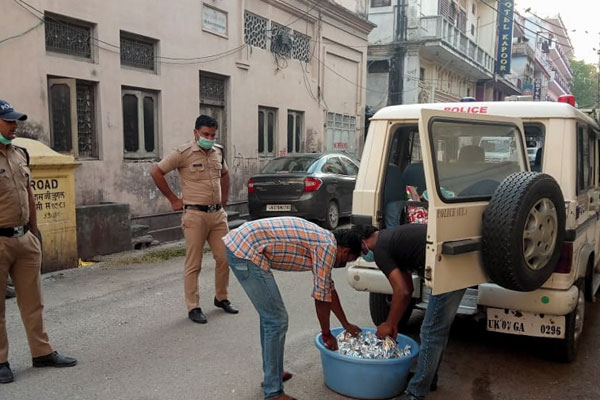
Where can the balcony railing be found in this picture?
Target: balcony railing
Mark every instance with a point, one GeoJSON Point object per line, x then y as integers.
{"type": "Point", "coordinates": [438, 27]}
{"type": "Point", "coordinates": [523, 49]}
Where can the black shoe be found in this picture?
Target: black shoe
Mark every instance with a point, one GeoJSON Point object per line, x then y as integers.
{"type": "Point", "coordinates": [10, 292]}
{"type": "Point", "coordinates": [197, 316]}
{"type": "Point", "coordinates": [6, 375]}
{"type": "Point", "coordinates": [226, 305]}
{"type": "Point", "coordinates": [54, 360]}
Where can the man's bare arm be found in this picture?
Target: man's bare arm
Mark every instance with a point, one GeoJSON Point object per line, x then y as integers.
{"type": "Point", "coordinates": [159, 179]}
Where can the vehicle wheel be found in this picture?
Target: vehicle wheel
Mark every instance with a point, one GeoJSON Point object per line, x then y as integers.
{"type": "Point", "coordinates": [566, 349]}
{"type": "Point", "coordinates": [379, 306]}
{"type": "Point", "coordinates": [332, 218]}
{"type": "Point", "coordinates": [523, 228]}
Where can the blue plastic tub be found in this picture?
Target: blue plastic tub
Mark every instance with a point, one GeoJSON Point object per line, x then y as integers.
{"type": "Point", "coordinates": [365, 378]}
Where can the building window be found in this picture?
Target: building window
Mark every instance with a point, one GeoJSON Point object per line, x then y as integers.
{"type": "Point", "coordinates": [294, 131]}
{"type": "Point", "coordinates": [73, 117]}
{"type": "Point", "coordinates": [422, 74]}
{"type": "Point", "coordinates": [281, 42]}
{"type": "Point", "coordinates": [381, 3]}
{"type": "Point", "coordinates": [267, 127]}
{"type": "Point", "coordinates": [255, 30]}
{"type": "Point", "coordinates": [67, 36]}
{"type": "Point", "coordinates": [301, 47]}
{"type": "Point", "coordinates": [472, 30]}
{"type": "Point", "coordinates": [378, 67]}
{"type": "Point", "coordinates": [473, 8]}
{"type": "Point", "coordinates": [140, 126]}
{"type": "Point", "coordinates": [138, 51]}
{"type": "Point", "coordinates": [341, 130]}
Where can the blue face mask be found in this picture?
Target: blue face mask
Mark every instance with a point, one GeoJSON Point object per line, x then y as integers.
{"type": "Point", "coordinates": [369, 257]}
{"type": "Point", "coordinates": [205, 143]}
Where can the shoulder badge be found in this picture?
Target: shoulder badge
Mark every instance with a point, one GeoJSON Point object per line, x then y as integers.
{"type": "Point", "coordinates": [184, 147]}
{"type": "Point", "coordinates": [25, 153]}
{"type": "Point", "coordinates": [220, 147]}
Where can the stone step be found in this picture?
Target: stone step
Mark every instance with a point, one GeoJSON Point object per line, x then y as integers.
{"type": "Point", "coordinates": [232, 215]}
{"type": "Point", "coordinates": [236, 223]}
{"type": "Point", "coordinates": [141, 242]}
{"type": "Point", "coordinates": [138, 230]}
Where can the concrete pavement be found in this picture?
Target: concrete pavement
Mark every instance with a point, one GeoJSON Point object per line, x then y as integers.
{"type": "Point", "coordinates": [127, 325]}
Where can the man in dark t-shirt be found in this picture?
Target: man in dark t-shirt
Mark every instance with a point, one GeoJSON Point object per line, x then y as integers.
{"type": "Point", "coordinates": [398, 252]}
{"type": "Point", "coordinates": [401, 247]}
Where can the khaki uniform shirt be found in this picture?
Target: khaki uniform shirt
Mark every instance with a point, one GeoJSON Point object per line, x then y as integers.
{"type": "Point", "coordinates": [14, 181]}
{"type": "Point", "coordinates": [199, 170]}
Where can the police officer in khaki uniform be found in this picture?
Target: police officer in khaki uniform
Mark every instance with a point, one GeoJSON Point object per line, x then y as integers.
{"type": "Point", "coordinates": [20, 249]}
{"type": "Point", "coordinates": [205, 185]}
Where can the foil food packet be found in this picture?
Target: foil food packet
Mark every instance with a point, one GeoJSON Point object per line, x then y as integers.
{"type": "Point", "coordinates": [368, 345]}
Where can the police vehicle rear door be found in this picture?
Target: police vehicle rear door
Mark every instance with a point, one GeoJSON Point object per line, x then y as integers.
{"type": "Point", "coordinates": [462, 172]}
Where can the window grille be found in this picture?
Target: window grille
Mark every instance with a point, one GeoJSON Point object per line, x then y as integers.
{"type": "Point", "coordinates": [138, 53]}
{"type": "Point", "coordinates": [73, 117]}
{"type": "Point", "coordinates": [212, 89]}
{"type": "Point", "coordinates": [301, 47]}
{"type": "Point", "coordinates": [86, 124]}
{"type": "Point", "coordinates": [67, 37]}
{"type": "Point", "coordinates": [255, 30]}
{"type": "Point", "coordinates": [381, 3]}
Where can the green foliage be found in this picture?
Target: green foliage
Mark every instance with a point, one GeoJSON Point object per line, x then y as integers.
{"type": "Point", "coordinates": [585, 84]}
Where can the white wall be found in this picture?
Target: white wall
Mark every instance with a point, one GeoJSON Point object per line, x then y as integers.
{"type": "Point", "coordinates": [253, 80]}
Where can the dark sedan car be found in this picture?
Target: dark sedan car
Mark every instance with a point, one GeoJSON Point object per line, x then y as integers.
{"type": "Point", "coordinates": [311, 185]}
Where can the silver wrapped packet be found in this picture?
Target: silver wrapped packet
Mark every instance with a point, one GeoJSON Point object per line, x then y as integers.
{"type": "Point", "coordinates": [367, 345]}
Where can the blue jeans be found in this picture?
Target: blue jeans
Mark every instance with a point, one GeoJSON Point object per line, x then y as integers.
{"type": "Point", "coordinates": [435, 329]}
{"type": "Point", "coordinates": [261, 288]}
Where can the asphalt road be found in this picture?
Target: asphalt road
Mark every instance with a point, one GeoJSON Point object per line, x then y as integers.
{"type": "Point", "coordinates": [127, 325]}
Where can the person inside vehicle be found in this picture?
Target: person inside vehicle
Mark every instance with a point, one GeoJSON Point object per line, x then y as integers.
{"type": "Point", "coordinates": [399, 252]}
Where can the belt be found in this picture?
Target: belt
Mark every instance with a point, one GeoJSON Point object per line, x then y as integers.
{"type": "Point", "coordinates": [209, 208]}
{"type": "Point", "coordinates": [17, 231]}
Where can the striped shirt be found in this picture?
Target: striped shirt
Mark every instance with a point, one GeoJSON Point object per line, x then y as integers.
{"type": "Point", "coordinates": [288, 244]}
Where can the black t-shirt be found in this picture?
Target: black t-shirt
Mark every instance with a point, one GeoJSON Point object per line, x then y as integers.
{"type": "Point", "coordinates": [401, 247]}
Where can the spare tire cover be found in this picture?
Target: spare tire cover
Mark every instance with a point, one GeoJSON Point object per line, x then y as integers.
{"type": "Point", "coordinates": [523, 229]}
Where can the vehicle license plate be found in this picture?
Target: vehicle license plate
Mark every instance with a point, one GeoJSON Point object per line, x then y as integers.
{"type": "Point", "coordinates": [524, 323]}
{"type": "Point", "coordinates": [279, 207]}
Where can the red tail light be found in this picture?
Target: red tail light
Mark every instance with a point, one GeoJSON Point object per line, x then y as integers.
{"type": "Point", "coordinates": [312, 184]}
{"type": "Point", "coordinates": [566, 258]}
{"type": "Point", "coordinates": [250, 185]}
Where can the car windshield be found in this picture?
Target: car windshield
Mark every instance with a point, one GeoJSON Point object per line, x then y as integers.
{"type": "Point", "coordinates": [285, 165]}
{"type": "Point", "coordinates": [469, 164]}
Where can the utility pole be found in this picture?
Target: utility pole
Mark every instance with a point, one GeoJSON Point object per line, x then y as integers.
{"type": "Point", "coordinates": [598, 81]}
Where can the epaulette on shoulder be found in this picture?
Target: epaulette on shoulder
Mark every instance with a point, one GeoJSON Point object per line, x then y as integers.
{"type": "Point", "coordinates": [184, 147]}
{"type": "Point", "coordinates": [220, 147]}
{"type": "Point", "coordinates": [25, 152]}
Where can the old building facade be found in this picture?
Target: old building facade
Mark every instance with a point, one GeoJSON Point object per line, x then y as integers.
{"type": "Point", "coordinates": [119, 84]}
{"type": "Point", "coordinates": [541, 52]}
{"type": "Point", "coordinates": [433, 51]}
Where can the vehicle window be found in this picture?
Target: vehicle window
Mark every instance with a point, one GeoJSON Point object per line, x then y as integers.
{"type": "Point", "coordinates": [333, 166]}
{"type": "Point", "coordinates": [472, 158]}
{"type": "Point", "coordinates": [351, 168]}
{"type": "Point", "coordinates": [288, 164]}
{"type": "Point", "coordinates": [585, 157]}
{"type": "Point", "coordinates": [535, 136]}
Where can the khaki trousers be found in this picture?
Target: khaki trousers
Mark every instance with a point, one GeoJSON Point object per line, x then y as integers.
{"type": "Point", "coordinates": [21, 258]}
{"type": "Point", "coordinates": [198, 227]}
